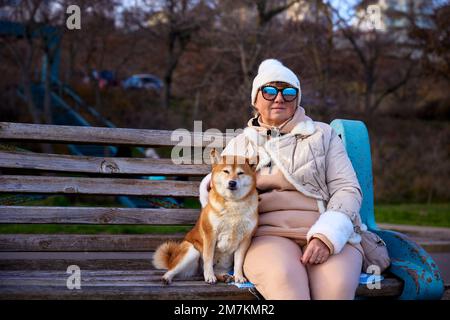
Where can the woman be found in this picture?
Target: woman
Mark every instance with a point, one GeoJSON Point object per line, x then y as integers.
{"type": "Point", "coordinates": [305, 246]}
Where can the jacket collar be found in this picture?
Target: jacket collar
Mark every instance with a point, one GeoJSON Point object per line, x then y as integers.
{"type": "Point", "coordinates": [299, 124]}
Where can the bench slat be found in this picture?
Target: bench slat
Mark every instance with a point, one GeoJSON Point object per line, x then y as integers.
{"type": "Point", "coordinates": [129, 283]}
{"type": "Point", "coordinates": [150, 277]}
{"type": "Point", "coordinates": [136, 261]}
{"type": "Point", "coordinates": [186, 290]}
{"type": "Point", "coordinates": [136, 264]}
{"type": "Point", "coordinates": [95, 215]}
{"type": "Point", "coordinates": [77, 242]}
{"type": "Point", "coordinates": [98, 186]}
{"type": "Point", "coordinates": [110, 136]}
{"type": "Point", "coordinates": [105, 165]}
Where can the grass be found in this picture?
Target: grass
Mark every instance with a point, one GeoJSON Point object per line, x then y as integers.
{"type": "Point", "coordinates": [437, 215]}
{"type": "Point", "coordinates": [433, 215]}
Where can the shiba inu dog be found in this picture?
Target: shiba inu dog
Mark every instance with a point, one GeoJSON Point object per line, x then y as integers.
{"type": "Point", "coordinates": [224, 229]}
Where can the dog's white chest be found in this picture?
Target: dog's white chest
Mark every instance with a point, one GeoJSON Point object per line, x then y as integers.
{"type": "Point", "coordinates": [232, 228]}
{"type": "Point", "coordinates": [229, 237]}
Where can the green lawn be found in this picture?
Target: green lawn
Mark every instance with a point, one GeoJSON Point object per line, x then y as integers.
{"type": "Point", "coordinates": [437, 215]}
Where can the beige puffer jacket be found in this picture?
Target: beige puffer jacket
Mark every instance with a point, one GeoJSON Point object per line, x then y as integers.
{"type": "Point", "coordinates": [313, 159]}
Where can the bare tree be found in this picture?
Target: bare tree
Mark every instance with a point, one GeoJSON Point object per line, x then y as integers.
{"type": "Point", "coordinates": [243, 34]}
{"type": "Point", "coordinates": [176, 22]}
{"type": "Point", "coordinates": [266, 12]}
{"type": "Point", "coordinates": [94, 42]}
{"type": "Point", "coordinates": [22, 48]}
{"type": "Point", "coordinates": [373, 49]}
{"type": "Point", "coordinates": [432, 38]}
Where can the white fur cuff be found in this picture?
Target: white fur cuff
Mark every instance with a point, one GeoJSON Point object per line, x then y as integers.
{"type": "Point", "coordinates": [204, 190]}
{"type": "Point", "coordinates": [336, 226]}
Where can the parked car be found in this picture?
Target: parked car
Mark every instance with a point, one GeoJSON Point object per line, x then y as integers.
{"type": "Point", "coordinates": [143, 81]}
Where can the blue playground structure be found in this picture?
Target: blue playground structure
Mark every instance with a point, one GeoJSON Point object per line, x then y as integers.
{"type": "Point", "coordinates": [65, 102]}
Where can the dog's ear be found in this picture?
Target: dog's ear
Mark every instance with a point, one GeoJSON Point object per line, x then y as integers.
{"type": "Point", "coordinates": [214, 157]}
{"type": "Point", "coordinates": [252, 162]}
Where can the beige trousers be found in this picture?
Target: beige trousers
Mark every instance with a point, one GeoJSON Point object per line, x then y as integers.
{"type": "Point", "coordinates": [273, 265]}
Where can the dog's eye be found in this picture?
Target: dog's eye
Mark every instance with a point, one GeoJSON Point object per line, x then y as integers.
{"type": "Point", "coordinates": [226, 171]}
{"type": "Point", "coordinates": [239, 173]}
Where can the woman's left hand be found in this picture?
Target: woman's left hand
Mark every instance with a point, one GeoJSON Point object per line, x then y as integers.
{"type": "Point", "coordinates": [316, 252]}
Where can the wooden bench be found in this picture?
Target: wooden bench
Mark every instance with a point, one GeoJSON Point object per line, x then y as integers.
{"type": "Point", "coordinates": [34, 266]}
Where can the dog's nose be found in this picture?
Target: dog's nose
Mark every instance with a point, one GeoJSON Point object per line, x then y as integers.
{"type": "Point", "coordinates": [232, 184]}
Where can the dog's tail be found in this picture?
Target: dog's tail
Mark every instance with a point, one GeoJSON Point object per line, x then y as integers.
{"type": "Point", "coordinates": [166, 253]}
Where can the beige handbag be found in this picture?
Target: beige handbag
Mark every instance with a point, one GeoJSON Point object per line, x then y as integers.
{"type": "Point", "coordinates": [375, 251]}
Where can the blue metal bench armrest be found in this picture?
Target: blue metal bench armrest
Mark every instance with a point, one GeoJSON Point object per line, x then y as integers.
{"type": "Point", "coordinates": [410, 262]}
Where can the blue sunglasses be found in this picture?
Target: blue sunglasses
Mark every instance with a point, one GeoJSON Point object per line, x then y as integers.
{"type": "Point", "coordinates": [270, 93]}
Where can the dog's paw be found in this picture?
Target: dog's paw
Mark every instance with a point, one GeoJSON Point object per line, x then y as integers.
{"type": "Point", "coordinates": [166, 279]}
{"type": "Point", "coordinates": [210, 278]}
{"type": "Point", "coordinates": [240, 279]}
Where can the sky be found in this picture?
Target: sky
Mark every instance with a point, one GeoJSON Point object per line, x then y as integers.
{"type": "Point", "coordinates": [343, 5]}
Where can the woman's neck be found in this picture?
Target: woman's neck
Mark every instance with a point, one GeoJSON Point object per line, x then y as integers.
{"type": "Point", "coordinates": [271, 124]}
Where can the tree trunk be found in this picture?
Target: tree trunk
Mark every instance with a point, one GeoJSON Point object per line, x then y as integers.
{"type": "Point", "coordinates": [98, 96]}
{"type": "Point", "coordinates": [172, 60]}
{"type": "Point", "coordinates": [47, 93]}
{"type": "Point", "coordinates": [368, 92]}
{"type": "Point", "coordinates": [167, 89]}
{"type": "Point", "coordinates": [71, 63]}
{"type": "Point", "coordinates": [35, 114]}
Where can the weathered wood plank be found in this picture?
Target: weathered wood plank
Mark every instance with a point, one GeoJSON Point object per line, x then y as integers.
{"type": "Point", "coordinates": [96, 215]}
{"type": "Point", "coordinates": [136, 261]}
{"type": "Point", "coordinates": [82, 255]}
{"type": "Point", "coordinates": [92, 277]}
{"type": "Point", "coordinates": [98, 186]}
{"type": "Point", "coordinates": [110, 136]}
{"type": "Point", "coordinates": [126, 283]}
{"type": "Point", "coordinates": [390, 287]}
{"type": "Point", "coordinates": [103, 165]}
{"type": "Point", "coordinates": [120, 264]}
{"type": "Point", "coordinates": [76, 242]}
{"type": "Point", "coordinates": [188, 291]}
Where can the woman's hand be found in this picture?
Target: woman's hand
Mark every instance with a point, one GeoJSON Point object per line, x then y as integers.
{"type": "Point", "coordinates": [316, 252]}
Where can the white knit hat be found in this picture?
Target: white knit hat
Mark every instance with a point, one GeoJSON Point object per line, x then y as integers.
{"type": "Point", "coordinates": [271, 70]}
